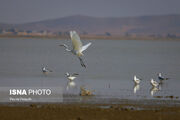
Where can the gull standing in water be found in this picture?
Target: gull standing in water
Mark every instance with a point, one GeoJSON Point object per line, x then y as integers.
{"type": "Point", "coordinates": [46, 70]}
{"type": "Point", "coordinates": [78, 48]}
{"type": "Point", "coordinates": [155, 87]}
{"type": "Point", "coordinates": [136, 80]}
{"type": "Point", "coordinates": [154, 83]}
{"type": "Point", "coordinates": [160, 77]}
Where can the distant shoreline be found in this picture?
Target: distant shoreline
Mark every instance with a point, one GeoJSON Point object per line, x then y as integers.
{"type": "Point", "coordinates": [92, 37]}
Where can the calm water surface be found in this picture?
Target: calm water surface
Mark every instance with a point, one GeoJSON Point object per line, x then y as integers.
{"type": "Point", "coordinates": [111, 65]}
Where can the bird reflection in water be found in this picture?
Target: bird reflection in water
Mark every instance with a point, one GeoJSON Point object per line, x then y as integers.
{"type": "Point", "coordinates": [154, 90]}
{"type": "Point", "coordinates": [136, 88]}
{"type": "Point", "coordinates": [70, 85]}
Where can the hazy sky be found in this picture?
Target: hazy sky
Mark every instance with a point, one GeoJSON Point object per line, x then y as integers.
{"type": "Point", "coordinates": [21, 11]}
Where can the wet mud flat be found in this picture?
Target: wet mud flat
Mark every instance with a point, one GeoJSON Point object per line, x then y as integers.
{"type": "Point", "coordinates": [87, 111]}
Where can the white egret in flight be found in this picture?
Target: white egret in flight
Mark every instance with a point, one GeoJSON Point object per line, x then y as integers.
{"type": "Point", "coordinates": [78, 48]}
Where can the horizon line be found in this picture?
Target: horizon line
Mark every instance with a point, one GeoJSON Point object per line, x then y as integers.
{"type": "Point", "coordinates": [75, 15]}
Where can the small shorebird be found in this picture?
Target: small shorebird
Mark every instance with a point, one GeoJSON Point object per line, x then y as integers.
{"type": "Point", "coordinates": [78, 48]}
{"type": "Point", "coordinates": [136, 80]}
{"type": "Point", "coordinates": [154, 83]}
{"type": "Point", "coordinates": [46, 70]}
{"type": "Point", "coordinates": [71, 77]}
{"type": "Point", "coordinates": [85, 92]}
{"type": "Point", "coordinates": [160, 77]}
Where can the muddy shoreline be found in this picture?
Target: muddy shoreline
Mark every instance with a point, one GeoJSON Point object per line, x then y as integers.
{"type": "Point", "coordinates": [128, 110]}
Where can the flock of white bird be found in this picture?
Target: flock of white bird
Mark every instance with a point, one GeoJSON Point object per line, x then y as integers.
{"type": "Point", "coordinates": [155, 84]}
{"type": "Point", "coordinates": [77, 50]}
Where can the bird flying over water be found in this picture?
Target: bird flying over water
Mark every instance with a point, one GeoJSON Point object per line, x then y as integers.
{"type": "Point", "coordinates": [77, 45]}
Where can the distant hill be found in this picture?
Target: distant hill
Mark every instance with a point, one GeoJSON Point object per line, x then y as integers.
{"type": "Point", "coordinates": [142, 25]}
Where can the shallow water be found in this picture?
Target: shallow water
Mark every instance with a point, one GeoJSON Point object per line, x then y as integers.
{"type": "Point", "coordinates": [111, 65]}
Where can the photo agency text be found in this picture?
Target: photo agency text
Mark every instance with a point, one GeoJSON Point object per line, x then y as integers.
{"type": "Point", "coordinates": [30, 92]}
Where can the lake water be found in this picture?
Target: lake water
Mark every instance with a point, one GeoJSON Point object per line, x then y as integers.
{"type": "Point", "coordinates": [111, 65]}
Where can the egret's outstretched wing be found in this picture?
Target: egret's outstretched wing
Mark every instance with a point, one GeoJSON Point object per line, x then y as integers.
{"type": "Point", "coordinates": [85, 47]}
{"type": "Point", "coordinates": [76, 42]}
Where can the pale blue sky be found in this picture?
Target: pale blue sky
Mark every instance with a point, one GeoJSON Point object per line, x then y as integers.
{"type": "Point", "coordinates": [22, 11]}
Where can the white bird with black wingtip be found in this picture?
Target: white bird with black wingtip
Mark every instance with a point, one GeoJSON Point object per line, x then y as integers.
{"type": "Point", "coordinates": [71, 77]}
{"type": "Point", "coordinates": [77, 45]}
{"type": "Point", "coordinates": [46, 70]}
{"type": "Point", "coordinates": [160, 77]}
